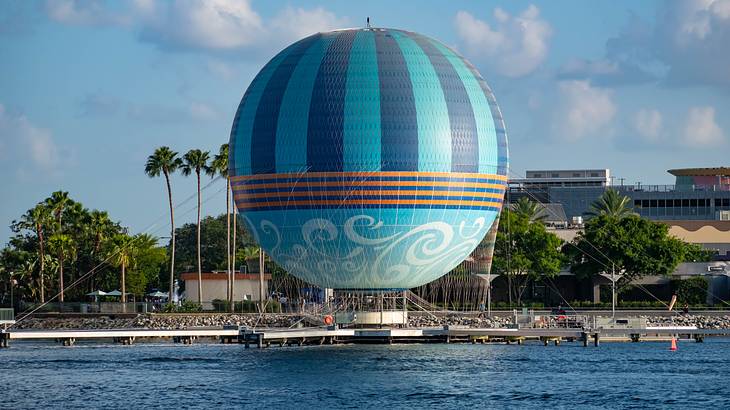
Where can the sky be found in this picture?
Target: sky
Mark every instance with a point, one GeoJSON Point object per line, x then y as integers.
{"type": "Point", "coordinates": [88, 89]}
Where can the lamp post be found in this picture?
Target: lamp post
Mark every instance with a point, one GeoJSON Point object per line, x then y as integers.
{"type": "Point", "coordinates": [12, 282]}
{"type": "Point", "coordinates": [613, 293]}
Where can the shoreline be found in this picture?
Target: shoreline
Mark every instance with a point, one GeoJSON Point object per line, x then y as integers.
{"type": "Point", "coordinates": [277, 320]}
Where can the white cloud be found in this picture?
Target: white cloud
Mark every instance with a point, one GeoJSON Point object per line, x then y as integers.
{"type": "Point", "coordinates": [648, 124]}
{"type": "Point", "coordinates": [21, 141]}
{"type": "Point", "coordinates": [701, 128]}
{"type": "Point", "coordinates": [583, 110]}
{"type": "Point", "coordinates": [82, 13]}
{"type": "Point", "coordinates": [293, 23]}
{"type": "Point", "coordinates": [514, 46]}
{"type": "Point", "coordinates": [221, 25]}
{"type": "Point", "coordinates": [212, 24]}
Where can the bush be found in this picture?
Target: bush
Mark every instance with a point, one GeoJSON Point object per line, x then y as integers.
{"type": "Point", "coordinates": [185, 307]}
{"type": "Point", "coordinates": [692, 291]}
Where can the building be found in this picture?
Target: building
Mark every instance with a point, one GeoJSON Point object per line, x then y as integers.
{"type": "Point", "coordinates": [215, 284]}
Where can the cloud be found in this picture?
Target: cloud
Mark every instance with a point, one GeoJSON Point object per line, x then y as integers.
{"type": "Point", "coordinates": [297, 23]}
{"type": "Point", "coordinates": [648, 124]}
{"type": "Point", "coordinates": [22, 141]}
{"type": "Point", "coordinates": [513, 46]}
{"type": "Point", "coordinates": [583, 110]}
{"type": "Point", "coordinates": [701, 129]}
{"type": "Point", "coordinates": [83, 13]}
{"type": "Point", "coordinates": [212, 25]}
{"type": "Point", "coordinates": [99, 105]}
{"type": "Point", "coordinates": [686, 45]}
{"type": "Point", "coordinates": [222, 26]}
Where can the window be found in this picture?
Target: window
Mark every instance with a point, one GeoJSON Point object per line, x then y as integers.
{"type": "Point", "coordinates": [576, 175]}
{"type": "Point", "coordinates": [555, 175]}
{"type": "Point", "coordinates": [677, 203]}
{"type": "Point", "coordinates": [661, 203]}
{"type": "Point", "coordinates": [718, 202]}
{"type": "Point", "coordinates": [685, 203]}
{"type": "Point", "coordinates": [652, 203]}
{"type": "Point", "coordinates": [537, 175]}
{"type": "Point", "coordinates": [594, 174]}
{"type": "Point", "coordinates": [693, 203]}
{"type": "Point", "coordinates": [645, 203]}
{"type": "Point", "coordinates": [725, 201]}
{"type": "Point", "coordinates": [637, 203]}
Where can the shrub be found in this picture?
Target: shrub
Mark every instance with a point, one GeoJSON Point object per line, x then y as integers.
{"type": "Point", "coordinates": [692, 291]}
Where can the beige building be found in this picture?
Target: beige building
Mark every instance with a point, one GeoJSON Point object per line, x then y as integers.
{"type": "Point", "coordinates": [215, 284]}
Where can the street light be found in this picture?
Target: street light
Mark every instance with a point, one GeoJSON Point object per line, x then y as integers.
{"type": "Point", "coordinates": [12, 282]}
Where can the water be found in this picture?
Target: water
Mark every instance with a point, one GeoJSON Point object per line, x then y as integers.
{"type": "Point", "coordinates": [638, 375]}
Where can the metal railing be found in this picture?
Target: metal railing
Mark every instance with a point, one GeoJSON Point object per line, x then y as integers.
{"type": "Point", "coordinates": [7, 315]}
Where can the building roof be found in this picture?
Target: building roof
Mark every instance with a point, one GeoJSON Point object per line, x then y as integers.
{"type": "Point", "coordinates": [700, 172]}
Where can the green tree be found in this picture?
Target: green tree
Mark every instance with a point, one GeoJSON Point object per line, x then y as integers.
{"type": "Point", "coordinates": [525, 251]}
{"type": "Point", "coordinates": [533, 211]}
{"type": "Point", "coordinates": [64, 248]}
{"type": "Point", "coordinates": [122, 254]}
{"type": "Point", "coordinates": [196, 161]}
{"type": "Point", "coordinates": [633, 246]}
{"type": "Point", "coordinates": [219, 166]}
{"type": "Point", "coordinates": [612, 204]}
{"type": "Point", "coordinates": [37, 219]}
{"type": "Point", "coordinates": [165, 161]}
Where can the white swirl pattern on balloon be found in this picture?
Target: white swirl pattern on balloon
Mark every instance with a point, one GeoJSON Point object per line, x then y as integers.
{"type": "Point", "coordinates": [370, 254]}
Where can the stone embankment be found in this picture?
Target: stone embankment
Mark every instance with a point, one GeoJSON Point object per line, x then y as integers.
{"type": "Point", "coordinates": [288, 320]}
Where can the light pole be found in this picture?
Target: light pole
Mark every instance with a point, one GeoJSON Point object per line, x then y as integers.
{"type": "Point", "coordinates": [12, 302]}
{"type": "Point", "coordinates": [613, 293]}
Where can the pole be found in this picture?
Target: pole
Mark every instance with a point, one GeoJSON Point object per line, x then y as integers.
{"type": "Point", "coordinates": [12, 300]}
{"type": "Point", "coordinates": [261, 278]}
{"type": "Point", "coordinates": [489, 295]}
{"type": "Point", "coordinates": [613, 293]}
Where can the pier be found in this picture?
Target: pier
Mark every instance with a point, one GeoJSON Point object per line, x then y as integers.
{"type": "Point", "coordinates": [266, 337]}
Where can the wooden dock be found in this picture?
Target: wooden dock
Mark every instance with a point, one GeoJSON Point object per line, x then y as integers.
{"type": "Point", "coordinates": [332, 335]}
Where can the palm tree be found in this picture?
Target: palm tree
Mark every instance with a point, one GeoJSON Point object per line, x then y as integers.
{"type": "Point", "coordinates": [37, 220]}
{"type": "Point", "coordinates": [612, 204]}
{"type": "Point", "coordinates": [58, 202]}
{"type": "Point", "coordinates": [533, 211]}
{"type": "Point", "coordinates": [65, 249]}
{"type": "Point", "coordinates": [219, 166]}
{"type": "Point", "coordinates": [196, 161]}
{"type": "Point", "coordinates": [165, 161]}
{"type": "Point", "coordinates": [122, 253]}
{"type": "Point", "coordinates": [249, 254]}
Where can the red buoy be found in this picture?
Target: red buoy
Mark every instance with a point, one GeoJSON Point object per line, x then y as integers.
{"type": "Point", "coordinates": [673, 347]}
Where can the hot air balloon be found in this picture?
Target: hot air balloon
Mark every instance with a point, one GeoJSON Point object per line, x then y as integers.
{"type": "Point", "coordinates": [368, 159]}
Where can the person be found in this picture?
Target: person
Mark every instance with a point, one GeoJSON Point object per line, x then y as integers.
{"type": "Point", "coordinates": [685, 309]}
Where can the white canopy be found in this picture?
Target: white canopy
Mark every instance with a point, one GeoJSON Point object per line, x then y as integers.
{"type": "Point", "coordinates": [97, 293]}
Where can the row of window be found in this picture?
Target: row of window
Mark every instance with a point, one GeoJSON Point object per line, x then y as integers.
{"type": "Point", "coordinates": [680, 203]}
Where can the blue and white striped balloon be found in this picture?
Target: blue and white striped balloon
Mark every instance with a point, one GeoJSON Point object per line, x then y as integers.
{"type": "Point", "coordinates": [368, 159]}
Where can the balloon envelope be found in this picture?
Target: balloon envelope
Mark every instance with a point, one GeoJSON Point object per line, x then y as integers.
{"type": "Point", "coordinates": [368, 159]}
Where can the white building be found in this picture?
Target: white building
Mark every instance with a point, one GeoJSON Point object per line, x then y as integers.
{"type": "Point", "coordinates": [215, 285]}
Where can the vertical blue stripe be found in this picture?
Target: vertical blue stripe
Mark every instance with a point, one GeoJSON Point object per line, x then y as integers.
{"type": "Point", "coordinates": [362, 107]}
{"type": "Point", "coordinates": [325, 127]}
{"type": "Point", "coordinates": [488, 158]}
{"type": "Point", "coordinates": [398, 119]}
{"type": "Point", "coordinates": [464, 135]}
{"type": "Point", "coordinates": [291, 134]}
{"type": "Point", "coordinates": [500, 130]}
{"type": "Point", "coordinates": [263, 139]}
{"type": "Point", "coordinates": [434, 130]}
{"type": "Point", "coordinates": [242, 130]}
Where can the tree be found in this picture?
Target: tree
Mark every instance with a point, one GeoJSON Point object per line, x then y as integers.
{"type": "Point", "coordinates": [122, 253]}
{"type": "Point", "coordinates": [525, 251]}
{"type": "Point", "coordinates": [612, 204]}
{"type": "Point", "coordinates": [65, 250]}
{"type": "Point", "coordinates": [37, 219]}
{"type": "Point", "coordinates": [165, 161]}
{"type": "Point", "coordinates": [196, 161]}
{"type": "Point", "coordinates": [219, 166]}
{"type": "Point", "coordinates": [633, 246]}
{"type": "Point", "coordinates": [533, 211]}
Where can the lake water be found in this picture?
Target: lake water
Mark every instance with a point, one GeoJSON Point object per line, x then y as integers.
{"type": "Point", "coordinates": [638, 375]}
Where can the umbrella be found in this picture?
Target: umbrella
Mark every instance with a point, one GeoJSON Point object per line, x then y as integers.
{"type": "Point", "coordinates": [158, 294]}
{"type": "Point", "coordinates": [97, 293]}
{"type": "Point", "coordinates": [114, 293]}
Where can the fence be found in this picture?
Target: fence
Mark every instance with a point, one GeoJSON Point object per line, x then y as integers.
{"type": "Point", "coordinates": [7, 315]}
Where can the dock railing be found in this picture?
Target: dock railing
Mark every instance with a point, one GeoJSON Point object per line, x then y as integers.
{"type": "Point", "coordinates": [7, 315]}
